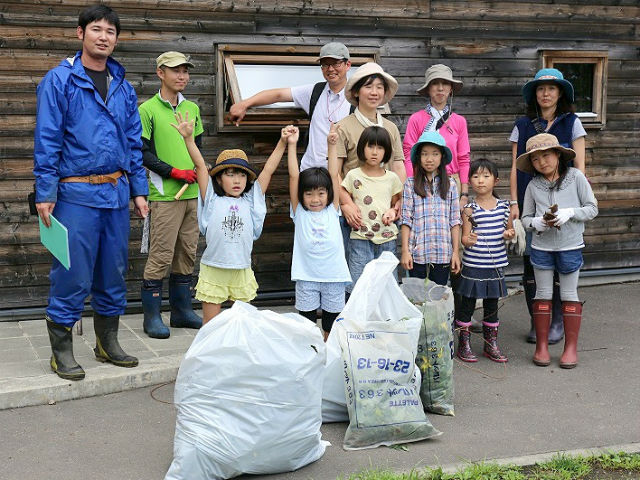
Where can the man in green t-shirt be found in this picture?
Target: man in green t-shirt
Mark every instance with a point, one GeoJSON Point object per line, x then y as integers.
{"type": "Point", "coordinates": [174, 231]}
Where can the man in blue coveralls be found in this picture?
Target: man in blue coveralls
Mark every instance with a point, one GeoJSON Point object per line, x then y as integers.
{"type": "Point", "coordinates": [88, 164]}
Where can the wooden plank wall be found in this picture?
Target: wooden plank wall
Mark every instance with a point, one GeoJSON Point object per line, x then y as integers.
{"type": "Point", "coordinates": [493, 46]}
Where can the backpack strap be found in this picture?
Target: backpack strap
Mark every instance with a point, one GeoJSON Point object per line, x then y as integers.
{"type": "Point", "coordinates": [315, 96]}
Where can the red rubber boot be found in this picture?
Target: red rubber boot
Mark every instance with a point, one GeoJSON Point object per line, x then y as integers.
{"type": "Point", "coordinates": [542, 322]}
{"type": "Point", "coordinates": [572, 313]}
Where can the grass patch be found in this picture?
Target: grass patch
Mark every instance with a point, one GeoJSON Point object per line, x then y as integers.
{"type": "Point", "coordinates": [612, 465]}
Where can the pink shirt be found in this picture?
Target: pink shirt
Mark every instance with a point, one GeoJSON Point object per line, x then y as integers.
{"type": "Point", "coordinates": [454, 133]}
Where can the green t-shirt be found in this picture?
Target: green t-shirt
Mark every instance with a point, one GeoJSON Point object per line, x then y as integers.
{"type": "Point", "coordinates": [156, 116]}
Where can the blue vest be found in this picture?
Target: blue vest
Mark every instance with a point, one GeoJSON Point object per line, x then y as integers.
{"type": "Point", "coordinates": [562, 128]}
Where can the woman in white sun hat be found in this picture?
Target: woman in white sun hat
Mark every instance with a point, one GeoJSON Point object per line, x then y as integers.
{"type": "Point", "coordinates": [368, 88]}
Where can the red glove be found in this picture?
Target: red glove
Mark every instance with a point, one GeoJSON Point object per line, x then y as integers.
{"type": "Point", "coordinates": [188, 176]}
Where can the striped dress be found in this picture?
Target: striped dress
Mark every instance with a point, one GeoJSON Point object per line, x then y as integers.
{"type": "Point", "coordinates": [483, 264]}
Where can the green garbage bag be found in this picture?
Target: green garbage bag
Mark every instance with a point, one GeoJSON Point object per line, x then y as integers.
{"type": "Point", "coordinates": [435, 343]}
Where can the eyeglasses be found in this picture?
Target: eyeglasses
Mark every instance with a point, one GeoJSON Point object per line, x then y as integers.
{"type": "Point", "coordinates": [335, 65]}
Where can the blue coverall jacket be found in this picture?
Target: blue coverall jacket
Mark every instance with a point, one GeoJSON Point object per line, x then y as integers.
{"type": "Point", "coordinates": [78, 134]}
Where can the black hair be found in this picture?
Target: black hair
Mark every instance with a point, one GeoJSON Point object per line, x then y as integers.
{"type": "Point", "coordinates": [217, 188]}
{"type": "Point", "coordinates": [374, 136]}
{"type": "Point", "coordinates": [99, 12]}
{"type": "Point", "coordinates": [484, 164]}
{"type": "Point", "coordinates": [366, 81]}
{"type": "Point", "coordinates": [564, 105]}
{"type": "Point", "coordinates": [312, 178]}
{"type": "Point", "coordinates": [420, 179]}
{"type": "Point", "coordinates": [563, 168]}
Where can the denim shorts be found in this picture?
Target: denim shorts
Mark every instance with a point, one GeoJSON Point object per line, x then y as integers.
{"type": "Point", "coordinates": [564, 262]}
{"type": "Point", "coordinates": [362, 252]}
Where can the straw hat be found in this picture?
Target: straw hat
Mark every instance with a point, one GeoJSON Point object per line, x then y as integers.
{"type": "Point", "coordinates": [430, 137]}
{"type": "Point", "coordinates": [542, 141]}
{"type": "Point", "coordinates": [233, 159]}
{"type": "Point", "coordinates": [441, 72]}
{"type": "Point", "coordinates": [370, 68]}
{"type": "Point", "coordinates": [547, 75]}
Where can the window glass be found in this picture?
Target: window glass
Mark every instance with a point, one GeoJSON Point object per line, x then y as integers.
{"type": "Point", "coordinates": [581, 76]}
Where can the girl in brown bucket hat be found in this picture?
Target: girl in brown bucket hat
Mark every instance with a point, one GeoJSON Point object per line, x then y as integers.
{"type": "Point", "coordinates": [557, 203]}
{"type": "Point", "coordinates": [549, 99]}
{"type": "Point", "coordinates": [231, 212]}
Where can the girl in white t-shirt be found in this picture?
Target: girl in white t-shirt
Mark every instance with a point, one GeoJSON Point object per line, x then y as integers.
{"type": "Point", "coordinates": [231, 211]}
{"type": "Point", "coordinates": [318, 266]}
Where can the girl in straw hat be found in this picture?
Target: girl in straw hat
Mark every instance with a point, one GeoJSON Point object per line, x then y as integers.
{"type": "Point", "coordinates": [438, 116]}
{"type": "Point", "coordinates": [368, 88]}
{"type": "Point", "coordinates": [557, 202]}
{"type": "Point", "coordinates": [549, 98]}
{"type": "Point", "coordinates": [231, 211]}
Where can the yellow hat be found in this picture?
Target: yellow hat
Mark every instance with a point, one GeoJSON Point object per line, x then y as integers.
{"type": "Point", "coordinates": [173, 59]}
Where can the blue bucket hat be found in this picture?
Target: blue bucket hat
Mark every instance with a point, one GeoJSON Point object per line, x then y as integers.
{"type": "Point", "coordinates": [430, 137]}
{"type": "Point", "coordinates": [547, 75]}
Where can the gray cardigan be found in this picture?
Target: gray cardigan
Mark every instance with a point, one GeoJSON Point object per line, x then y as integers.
{"type": "Point", "coordinates": [575, 192]}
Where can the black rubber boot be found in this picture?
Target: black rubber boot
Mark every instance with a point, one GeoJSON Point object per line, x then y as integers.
{"type": "Point", "coordinates": [529, 294]}
{"type": "Point", "coordinates": [152, 324]}
{"type": "Point", "coordinates": [63, 362]}
{"type": "Point", "coordinates": [182, 314]}
{"type": "Point", "coordinates": [107, 347]}
{"type": "Point", "coordinates": [556, 331]}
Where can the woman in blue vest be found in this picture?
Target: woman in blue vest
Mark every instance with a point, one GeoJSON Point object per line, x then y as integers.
{"type": "Point", "coordinates": [549, 98]}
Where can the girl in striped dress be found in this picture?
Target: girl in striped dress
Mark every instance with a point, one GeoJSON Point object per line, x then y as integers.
{"type": "Point", "coordinates": [486, 224]}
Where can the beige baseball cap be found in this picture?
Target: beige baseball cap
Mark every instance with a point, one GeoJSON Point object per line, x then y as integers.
{"type": "Point", "coordinates": [173, 59]}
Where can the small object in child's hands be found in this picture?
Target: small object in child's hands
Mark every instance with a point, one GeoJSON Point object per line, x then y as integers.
{"type": "Point", "coordinates": [473, 223]}
{"type": "Point", "coordinates": [550, 216]}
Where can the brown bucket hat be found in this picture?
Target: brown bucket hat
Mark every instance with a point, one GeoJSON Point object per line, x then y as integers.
{"type": "Point", "coordinates": [234, 158]}
{"type": "Point", "coordinates": [542, 141]}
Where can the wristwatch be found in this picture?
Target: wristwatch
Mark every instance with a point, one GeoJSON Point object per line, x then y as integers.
{"type": "Point", "coordinates": [512, 203]}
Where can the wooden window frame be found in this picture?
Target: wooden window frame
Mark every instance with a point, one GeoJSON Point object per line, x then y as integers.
{"type": "Point", "coordinates": [272, 118]}
{"type": "Point", "coordinates": [599, 59]}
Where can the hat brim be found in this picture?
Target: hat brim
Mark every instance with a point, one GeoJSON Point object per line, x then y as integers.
{"type": "Point", "coordinates": [523, 162]}
{"type": "Point", "coordinates": [456, 86]}
{"type": "Point", "coordinates": [415, 153]}
{"type": "Point", "coordinates": [177, 63]}
{"type": "Point", "coordinates": [529, 89]}
{"type": "Point", "coordinates": [238, 163]}
{"type": "Point", "coordinates": [392, 87]}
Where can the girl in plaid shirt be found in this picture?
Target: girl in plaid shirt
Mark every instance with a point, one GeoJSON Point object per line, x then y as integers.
{"type": "Point", "coordinates": [430, 213]}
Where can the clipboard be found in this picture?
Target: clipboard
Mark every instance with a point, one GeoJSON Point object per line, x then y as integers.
{"type": "Point", "coordinates": [56, 239]}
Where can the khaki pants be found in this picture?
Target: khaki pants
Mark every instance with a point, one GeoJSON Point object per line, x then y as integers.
{"type": "Point", "coordinates": [173, 238]}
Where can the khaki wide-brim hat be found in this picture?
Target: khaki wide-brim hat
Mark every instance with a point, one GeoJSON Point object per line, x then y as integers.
{"type": "Point", "coordinates": [542, 141]}
{"type": "Point", "coordinates": [173, 59]}
{"type": "Point", "coordinates": [234, 158]}
{"type": "Point", "coordinates": [370, 68]}
{"type": "Point", "coordinates": [442, 72]}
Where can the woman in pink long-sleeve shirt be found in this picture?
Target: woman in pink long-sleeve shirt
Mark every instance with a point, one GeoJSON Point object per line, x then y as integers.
{"type": "Point", "coordinates": [437, 116]}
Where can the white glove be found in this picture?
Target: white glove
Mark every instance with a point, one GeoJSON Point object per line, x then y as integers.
{"type": "Point", "coordinates": [539, 224]}
{"type": "Point", "coordinates": [518, 243]}
{"type": "Point", "coordinates": [563, 215]}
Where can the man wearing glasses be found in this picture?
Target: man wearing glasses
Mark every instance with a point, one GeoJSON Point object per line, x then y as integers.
{"type": "Point", "coordinates": [324, 102]}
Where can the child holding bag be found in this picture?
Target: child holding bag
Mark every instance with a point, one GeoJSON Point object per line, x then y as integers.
{"type": "Point", "coordinates": [430, 213]}
{"type": "Point", "coordinates": [231, 211]}
{"type": "Point", "coordinates": [315, 210]}
{"type": "Point", "coordinates": [557, 202]}
{"type": "Point", "coordinates": [486, 224]}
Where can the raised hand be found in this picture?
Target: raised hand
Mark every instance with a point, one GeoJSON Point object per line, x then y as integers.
{"type": "Point", "coordinates": [334, 134]}
{"type": "Point", "coordinates": [183, 125]}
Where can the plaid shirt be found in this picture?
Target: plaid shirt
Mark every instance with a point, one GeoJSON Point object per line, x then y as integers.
{"type": "Point", "coordinates": [430, 220]}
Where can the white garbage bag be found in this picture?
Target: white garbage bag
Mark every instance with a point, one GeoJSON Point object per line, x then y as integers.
{"type": "Point", "coordinates": [376, 296]}
{"type": "Point", "coordinates": [378, 335]}
{"type": "Point", "coordinates": [248, 395]}
{"type": "Point", "coordinates": [435, 346]}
